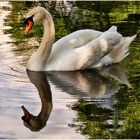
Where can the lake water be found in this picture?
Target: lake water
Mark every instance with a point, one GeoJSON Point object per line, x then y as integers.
{"type": "Point", "coordinates": [72, 105]}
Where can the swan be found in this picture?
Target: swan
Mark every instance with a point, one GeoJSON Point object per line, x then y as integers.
{"type": "Point", "coordinates": [82, 49]}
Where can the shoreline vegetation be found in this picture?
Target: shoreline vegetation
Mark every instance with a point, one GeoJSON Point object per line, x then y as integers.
{"type": "Point", "coordinates": [79, 15]}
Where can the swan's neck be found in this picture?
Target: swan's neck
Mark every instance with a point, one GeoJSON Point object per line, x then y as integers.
{"type": "Point", "coordinates": [48, 37]}
{"type": "Point", "coordinates": [39, 58]}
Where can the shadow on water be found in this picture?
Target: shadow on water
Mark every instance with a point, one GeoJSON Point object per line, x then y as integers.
{"type": "Point", "coordinates": [87, 84]}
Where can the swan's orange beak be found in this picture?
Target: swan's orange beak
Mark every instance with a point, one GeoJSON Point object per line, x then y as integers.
{"type": "Point", "coordinates": [28, 27]}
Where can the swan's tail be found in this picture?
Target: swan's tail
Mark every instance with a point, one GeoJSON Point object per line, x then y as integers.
{"type": "Point", "coordinates": [119, 52]}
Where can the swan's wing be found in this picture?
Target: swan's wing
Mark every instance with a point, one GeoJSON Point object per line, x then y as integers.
{"type": "Point", "coordinates": [76, 39]}
{"type": "Point", "coordinates": [92, 52]}
{"type": "Point", "coordinates": [119, 52]}
{"type": "Point", "coordinates": [72, 58]}
{"type": "Point", "coordinates": [113, 29]}
{"type": "Point", "coordinates": [64, 49]}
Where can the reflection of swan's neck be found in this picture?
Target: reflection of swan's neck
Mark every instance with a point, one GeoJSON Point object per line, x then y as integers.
{"type": "Point", "coordinates": [38, 59]}
{"type": "Point", "coordinates": [40, 81]}
{"type": "Point", "coordinates": [36, 123]}
{"type": "Point", "coordinates": [46, 100]}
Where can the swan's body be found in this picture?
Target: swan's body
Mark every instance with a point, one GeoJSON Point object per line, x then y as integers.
{"type": "Point", "coordinates": [68, 52]}
{"type": "Point", "coordinates": [82, 49]}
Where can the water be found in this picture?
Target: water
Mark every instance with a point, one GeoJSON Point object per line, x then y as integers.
{"type": "Point", "coordinates": [71, 105]}
{"type": "Point", "coordinates": [16, 90]}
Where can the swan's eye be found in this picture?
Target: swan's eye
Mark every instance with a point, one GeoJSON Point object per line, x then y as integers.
{"type": "Point", "coordinates": [29, 23]}
{"type": "Point", "coordinates": [25, 120]}
{"type": "Point", "coordinates": [26, 20]}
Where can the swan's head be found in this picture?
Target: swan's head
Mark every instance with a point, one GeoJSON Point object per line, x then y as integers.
{"type": "Point", "coordinates": [34, 123]}
{"type": "Point", "coordinates": [37, 14]}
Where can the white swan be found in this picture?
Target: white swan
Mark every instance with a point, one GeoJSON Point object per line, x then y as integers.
{"type": "Point", "coordinates": [82, 49]}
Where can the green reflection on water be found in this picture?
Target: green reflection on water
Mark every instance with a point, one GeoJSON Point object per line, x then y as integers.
{"type": "Point", "coordinates": [123, 120]}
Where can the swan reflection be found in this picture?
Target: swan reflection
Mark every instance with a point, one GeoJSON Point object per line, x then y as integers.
{"type": "Point", "coordinates": [86, 83]}
{"type": "Point", "coordinates": [36, 123]}
{"type": "Point", "coordinates": [90, 83]}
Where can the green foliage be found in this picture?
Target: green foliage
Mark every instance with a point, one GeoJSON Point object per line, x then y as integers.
{"type": "Point", "coordinates": [61, 28]}
{"type": "Point", "coordinates": [15, 20]}
{"type": "Point", "coordinates": [131, 126]}
{"type": "Point", "coordinates": [93, 119]}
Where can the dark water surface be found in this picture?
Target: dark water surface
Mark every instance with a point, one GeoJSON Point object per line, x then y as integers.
{"type": "Point", "coordinates": [70, 105]}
